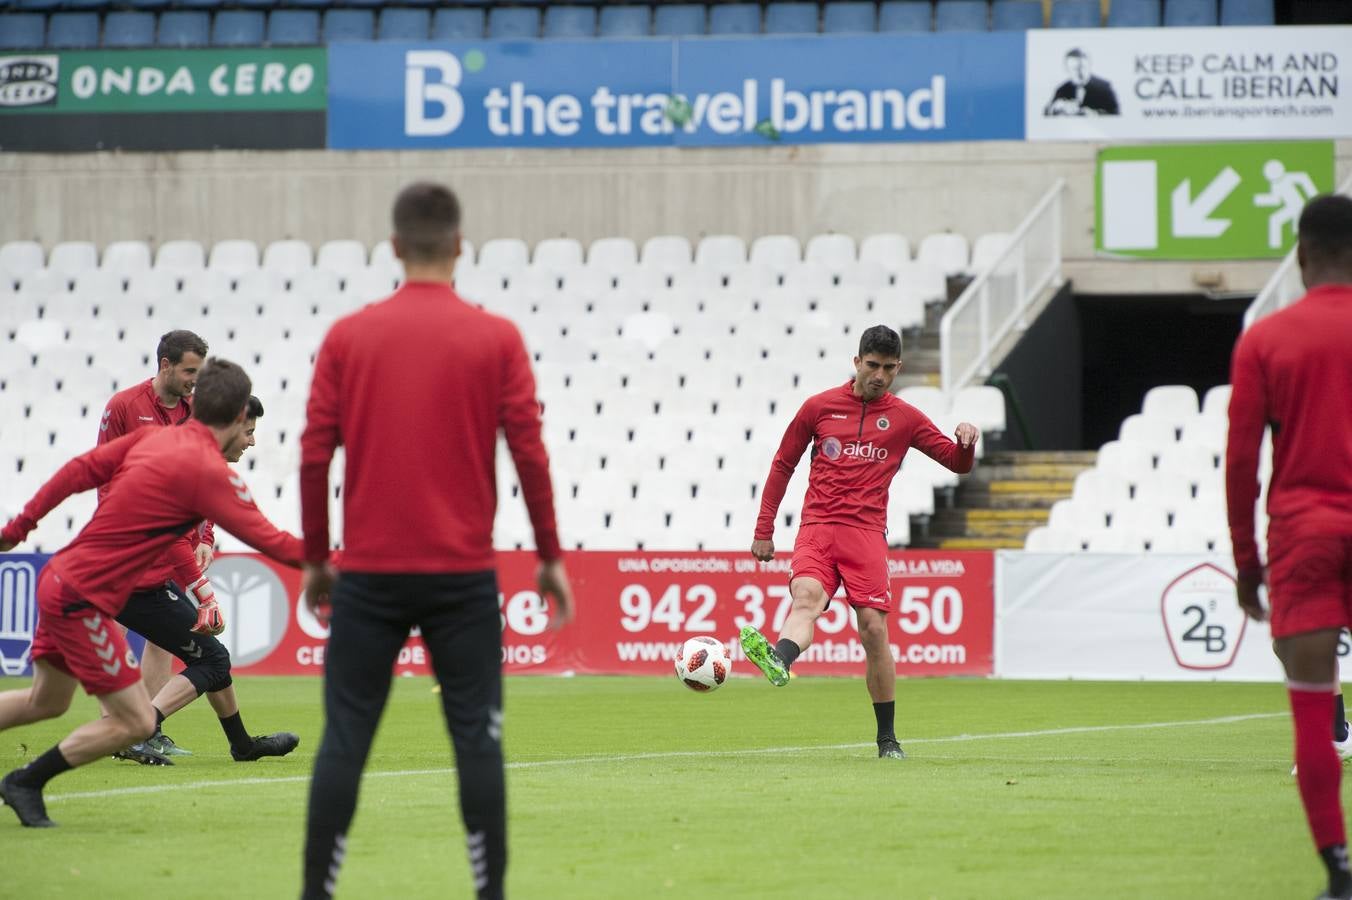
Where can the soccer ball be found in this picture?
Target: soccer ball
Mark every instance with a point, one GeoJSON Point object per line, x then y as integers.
{"type": "Point", "coordinates": [703, 664]}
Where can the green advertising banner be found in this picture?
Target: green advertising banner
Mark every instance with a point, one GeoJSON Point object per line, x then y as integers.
{"type": "Point", "coordinates": [251, 79]}
{"type": "Point", "coordinates": [1206, 201]}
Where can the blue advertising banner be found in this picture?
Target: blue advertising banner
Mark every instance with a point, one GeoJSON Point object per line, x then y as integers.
{"type": "Point", "coordinates": [692, 92]}
{"type": "Point", "coordinates": [18, 609]}
{"type": "Point", "coordinates": [19, 612]}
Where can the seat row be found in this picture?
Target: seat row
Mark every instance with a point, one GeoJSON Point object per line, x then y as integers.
{"type": "Point", "coordinates": [948, 253]}
{"type": "Point", "coordinates": [36, 23]}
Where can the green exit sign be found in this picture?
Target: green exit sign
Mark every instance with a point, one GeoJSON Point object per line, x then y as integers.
{"type": "Point", "coordinates": [1207, 201]}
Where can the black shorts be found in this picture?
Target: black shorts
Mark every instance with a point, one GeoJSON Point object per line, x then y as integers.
{"type": "Point", "coordinates": [165, 617]}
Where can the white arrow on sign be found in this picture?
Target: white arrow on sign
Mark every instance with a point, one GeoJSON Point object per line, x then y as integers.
{"type": "Point", "coordinates": [1192, 216]}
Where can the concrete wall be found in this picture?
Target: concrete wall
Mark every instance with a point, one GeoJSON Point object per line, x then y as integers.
{"type": "Point", "coordinates": [970, 188]}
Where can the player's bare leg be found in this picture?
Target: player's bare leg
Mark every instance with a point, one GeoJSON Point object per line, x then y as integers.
{"type": "Point", "coordinates": [46, 698]}
{"type": "Point", "coordinates": [809, 601]}
{"type": "Point", "coordinates": [881, 677]}
{"type": "Point", "coordinates": [1310, 661]}
{"type": "Point", "coordinates": [130, 719]}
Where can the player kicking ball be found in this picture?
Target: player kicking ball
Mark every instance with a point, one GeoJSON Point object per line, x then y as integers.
{"type": "Point", "coordinates": [859, 433]}
{"type": "Point", "coordinates": [86, 584]}
{"type": "Point", "coordinates": [186, 622]}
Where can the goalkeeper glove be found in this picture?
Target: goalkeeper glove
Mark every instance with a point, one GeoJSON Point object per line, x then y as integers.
{"type": "Point", "coordinates": [209, 618]}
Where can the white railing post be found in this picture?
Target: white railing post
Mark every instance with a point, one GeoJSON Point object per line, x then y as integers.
{"type": "Point", "coordinates": [970, 314]}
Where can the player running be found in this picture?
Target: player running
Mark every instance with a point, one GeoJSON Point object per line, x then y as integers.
{"type": "Point", "coordinates": [87, 583]}
{"type": "Point", "coordinates": [164, 399]}
{"type": "Point", "coordinates": [1292, 371]}
{"type": "Point", "coordinates": [186, 621]}
{"type": "Point", "coordinates": [859, 434]}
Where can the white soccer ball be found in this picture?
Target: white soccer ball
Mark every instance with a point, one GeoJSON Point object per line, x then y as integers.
{"type": "Point", "coordinates": [703, 664]}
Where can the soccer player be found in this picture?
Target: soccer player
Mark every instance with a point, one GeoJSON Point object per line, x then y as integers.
{"type": "Point", "coordinates": [185, 621]}
{"type": "Point", "coordinates": [87, 582]}
{"type": "Point", "coordinates": [1292, 371]}
{"type": "Point", "coordinates": [164, 399]}
{"type": "Point", "coordinates": [859, 433]}
{"type": "Point", "coordinates": [416, 387]}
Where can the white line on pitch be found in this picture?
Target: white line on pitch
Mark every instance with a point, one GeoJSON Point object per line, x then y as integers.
{"type": "Point", "coordinates": [672, 754]}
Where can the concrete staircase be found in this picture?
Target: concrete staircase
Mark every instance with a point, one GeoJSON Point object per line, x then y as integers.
{"type": "Point", "coordinates": [1007, 495]}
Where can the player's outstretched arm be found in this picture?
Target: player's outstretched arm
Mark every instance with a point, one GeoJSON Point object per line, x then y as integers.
{"type": "Point", "coordinates": [86, 471]}
{"type": "Point", "coordinates": [791, 447]}
{"type": "Point", "coordinates": [1243, 443]}
{"type": "Point", "coordinates": [955, 455]}
{"type": "Point", "coordinates": [225, 498]}
{"type": "Point", "coordinates": [763, 550]}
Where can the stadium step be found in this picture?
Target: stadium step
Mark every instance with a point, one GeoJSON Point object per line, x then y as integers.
{"type": "Point", "coordinates": [1006, 496]}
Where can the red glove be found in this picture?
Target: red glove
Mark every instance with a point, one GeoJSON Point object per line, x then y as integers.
{"type": "Point", "coordinates": [209, 618]}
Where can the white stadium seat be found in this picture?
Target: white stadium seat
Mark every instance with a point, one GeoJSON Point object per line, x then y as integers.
{"type": "Point", "coordinates": [557, 255]}
{"type": "Point", "coordinates": [18, 258]}
{"type": "Point", "coordinates": [901, 305]}
{"type": "Point", "coordinates": [612, 256]}
{"type": "Point", "coordinates": [1129, 459]}
{"type": "Point", "coordinates": [343, 258]}
{"type": "Point", "coordinates": [929, 400]}
{"type": "Point", "coordinates": [503, 255]}
{"type": "Point", "coordinates": [180, 258]}
{"type": "Point", "coordinates": [70, 258]}
{"type": "Point", "coordinates": [925, 279]}
{"type": "Point", "coordinates": [1153, 432]}
{"type": "Point", "coordinates": [720, 252]}
{"type": "Point", "coordinates": [287, 258]}
{"type": "Point", "coordinates": [1216, 402]}
{"type": "Point", "coordinates": [837, 252]}
{"type": "Point", "coordinates": [891, 251]}
{"type": "Point", "coordinates": [982, 405]}
{"type": "Point", "coordinates": [234, 258]}
{"type": "Point", "coordinates": [125, 259]}
{"type": "Point", "coordinates": [1044, 539]}
{"type": "Point", "coordinates": [946, 251]}
{"type": "Point", "coordinates": [777, 252]}
{"type": "Point", "coordinates": [665, 253]}
{"type": "Point", "coordinates": [1172, 403]}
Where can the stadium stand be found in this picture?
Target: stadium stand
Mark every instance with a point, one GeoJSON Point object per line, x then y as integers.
{"type": "Point", "coordinates": [961, 15]}
{"type": "Point", "coordinates": [1075, 14]}
{"type": "Point", "coordinates": [1016, 15]}
{"type": "Point", "coordinates": [1134, 14]}
{"type": "Point", "coordinates": [693, 342]}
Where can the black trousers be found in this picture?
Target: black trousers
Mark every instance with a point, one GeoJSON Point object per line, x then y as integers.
{"type": "Point", "coordinates": [165, 617]}
{"type": "Point", "coordinates": [372, 617]}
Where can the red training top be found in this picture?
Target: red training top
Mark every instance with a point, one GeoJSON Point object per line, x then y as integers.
{"type": "Point", "coordinates": [1293, 370]}
{"type": "Point", "coordinates": [857, 448]}
{"type": "Point", "coordinates": [137, 407]}
{"type": "Point", "coordinates": [415, 387]}
{"type": "Point", "coordinates": [186, 476]}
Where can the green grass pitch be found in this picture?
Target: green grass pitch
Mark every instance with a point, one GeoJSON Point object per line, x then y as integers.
{"type": "Point", "coordinates": [636, 787]}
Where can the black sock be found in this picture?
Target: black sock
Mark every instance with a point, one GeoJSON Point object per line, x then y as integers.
{"type": "Point", "coordinates": [234, 731]}
{"type": "Point", "coordinates": [885, 714]}
{"type": "Point", "coordinates": [1335, 860]}
{"type": "Point", "coordinates": [159, 719]}
{"type": "Point", "coordinates": [787, 650]}
{"type": "Point", "coordinates": [43, 769]}
{"type": "Point", "coordinates": [1339, 719]}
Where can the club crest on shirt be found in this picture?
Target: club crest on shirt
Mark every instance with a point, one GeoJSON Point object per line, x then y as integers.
{"type": "Point", "coordinates": [883, 423]}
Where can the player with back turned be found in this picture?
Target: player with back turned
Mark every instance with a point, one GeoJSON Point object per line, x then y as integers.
{"type": "Point", "coordinates": [1292, 372]}
{"type": "Point", "coordinates": [87, 582]}
{"type": "Point", "coordinates": [416, 388]}
{"type": "Point", "coordinates": [859, 433]}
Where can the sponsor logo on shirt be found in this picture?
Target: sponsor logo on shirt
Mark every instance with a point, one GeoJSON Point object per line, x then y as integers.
{"type": "Point", "coordinates": [866, 451]}
{"type": "Point", "coordinates": [839, 416]}
{"type": "Point", "coordinates": [831, 448]}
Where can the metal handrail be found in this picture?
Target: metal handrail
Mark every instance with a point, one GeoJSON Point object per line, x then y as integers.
{"type": "Point", "coordinates": [978, 292]}
{"type": "Point", "coordinates": [1284, 287]}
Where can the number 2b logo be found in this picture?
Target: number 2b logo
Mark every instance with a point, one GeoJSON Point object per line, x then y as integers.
{"type": "Point", "coordinates": [1202, 618]}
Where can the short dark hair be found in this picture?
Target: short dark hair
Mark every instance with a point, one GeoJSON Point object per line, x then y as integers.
{"type": "Point", "coordinates": [881, 341]}
{"type": "Point", "coordinates": [426, 221]}
{"type": "Point", "coordinates": [222, 392]}
{"type": "Point", "coordinates": [174, 344]}
{"type": "Point", "coordinates": [255, 408]}
{"type": "Point", "coordinates": [1326, 230]}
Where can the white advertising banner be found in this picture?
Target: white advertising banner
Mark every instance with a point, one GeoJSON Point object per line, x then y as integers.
{"type": "Point", "coordinates": [1125, 616]}
{"type": "Point", "coordinates": [1160, 84]}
